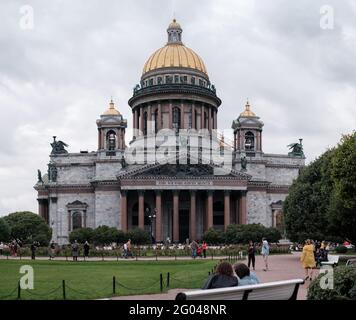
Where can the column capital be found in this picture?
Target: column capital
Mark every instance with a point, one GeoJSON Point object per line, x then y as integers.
{"type": "Point", "coordinates": [124, 193]}
{"type": "Point", "coordinates": [175, 192]}
{"type": "Point", "coordinates": [141, 192]}
{"type": "Point", "coordinates": [192, 192]}
{"type": "Point", "coordinates": [158, 192]}
{"type": "Point", "coordinates": [227, 192]}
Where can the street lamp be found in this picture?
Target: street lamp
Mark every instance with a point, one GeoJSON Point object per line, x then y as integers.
{"type": "Point", "coordinates": [151, 217]}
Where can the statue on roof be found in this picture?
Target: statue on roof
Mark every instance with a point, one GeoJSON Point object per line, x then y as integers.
{"type": "Point", "coordinates": [243, 163]}
{"type": "Point", "coordinates": [39, 176]}
{"type": "Point", "coordinates": [297, 149]}
{"type": "Point", "coordinates": [58, 147]}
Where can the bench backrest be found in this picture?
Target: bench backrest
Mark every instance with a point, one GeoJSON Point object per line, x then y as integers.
{"type": "Point", "coordinates": [351, 262]}
{"type": "Point", "coordinates": [279, 290]}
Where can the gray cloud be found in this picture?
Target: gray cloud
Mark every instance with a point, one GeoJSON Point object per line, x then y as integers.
{"type": "Point", "coordinates": [57, 78]}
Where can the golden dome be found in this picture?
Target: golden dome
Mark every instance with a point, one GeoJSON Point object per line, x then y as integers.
{"type": "Point", "coordinates": [174, 54]}
{"type": "Point", "coordinates": [247, 112]}
{"type": "Point", "coordinates": [111, 111]}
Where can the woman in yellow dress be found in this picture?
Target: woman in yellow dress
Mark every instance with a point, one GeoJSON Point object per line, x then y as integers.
{"type": "Point", "coordinates": [308, 259]}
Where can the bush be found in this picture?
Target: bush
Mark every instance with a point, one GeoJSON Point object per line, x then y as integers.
{"type": "Point", "coordinates": [82, 235]}
{"type": "Point", "coordinates": [139, 236]}
{"type": "Point", "coordinates": [5, 231]}
{"type": "Point", "coordinates": [238, 233]}
{"type": "Point", "coordinates": [122, 237]}
{"type": "Point", "coordinates": [213, 237]}
{"type": "Point", "coordinates": [344, 285]}
{"type": "Point", "coordinates": [105, 235]}
{"type": "Point", "coordinates": [29, 227]}
{"type": "Point", "coordinates": [341, 249]}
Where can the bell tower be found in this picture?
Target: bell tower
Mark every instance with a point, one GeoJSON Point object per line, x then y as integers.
{"type": "Point", "coordinates": [111, 131]}
{"type": "Point", "coordinates": [248, 132]}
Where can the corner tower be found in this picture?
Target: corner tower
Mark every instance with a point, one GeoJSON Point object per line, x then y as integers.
{"type": "Point", "coordinates": [111, 132]}
{"type": "Point", "coordinates": [248, 133]}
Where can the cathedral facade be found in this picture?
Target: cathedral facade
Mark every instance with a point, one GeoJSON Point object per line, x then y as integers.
{"type": "Point", "coordinates": [178, 176]}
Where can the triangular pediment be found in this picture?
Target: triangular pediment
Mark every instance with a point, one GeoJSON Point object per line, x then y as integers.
{"type": "Point", "coordinates": [185, 167]}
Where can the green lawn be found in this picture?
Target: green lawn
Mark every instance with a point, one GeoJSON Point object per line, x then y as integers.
{"type": "Point", "coordinates": [90, 280]}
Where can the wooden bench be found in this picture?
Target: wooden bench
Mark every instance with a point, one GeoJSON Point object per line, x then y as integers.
{"type": "Point", "coordinates": [333, 260]}
{"type": "Point", "coordinates": [278, 290]}
{"type": "Point", "coordinates": [351, 262]}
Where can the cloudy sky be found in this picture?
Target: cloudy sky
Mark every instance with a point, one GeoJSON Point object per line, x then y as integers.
{"type": "Point", "coordinates": [57, 77]}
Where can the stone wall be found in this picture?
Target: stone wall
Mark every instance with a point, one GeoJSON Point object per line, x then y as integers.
{"type": "Point", "coordinates": [107, 208]}
{"type": "Point", "coordinates": [257, 211]}
{"type": "Point", "coordinates": [60, 213]}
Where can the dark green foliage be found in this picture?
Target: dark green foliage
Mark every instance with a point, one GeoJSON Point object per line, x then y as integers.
{"type": "Point", "coordinates": [213, 237]}
{"type": "Point", "coordinates": [343, 205]}
{"type": "Point", "coordinates": [322, 201]}
{"type": "Point", "coordinates": [5, 231]}
{"type": "Point", "coordinates": [104, 235]}
{"type": "Point", "coordinates": [82, 235]}
{"type": "Point", "coordinates": [139, 236]}
{"type": "Point", "coordinates": [244, 233]}
{"type": "Point", "coordinates": [305, 208]}
{"type": "Point", "coordinates": [344, 282]}
{"type": "Point", "coordinates": [341, 249]}
{"type": "Point", "coordinates": [29, 227]}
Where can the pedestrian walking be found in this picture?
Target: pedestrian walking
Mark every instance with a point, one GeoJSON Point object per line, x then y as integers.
{"type": "Point", "coordinates": [34, 246]}
{"type": "Point", "coordinates": [308, 260]}
{"type": "Point", "coordinates": [251, 250]}
{"type": "Point", "coordinates": [194, 247]}
{"type": "Point", "coordinates": [52, 250]}
{"type": "Point", "coordinates": [86, 249]}
{"type": "Point", "coordinates": [265, 253]}
{"type": "Point", "coordinates": [75, 250]}
{"type": "Point", "coordinates": [204, 247]}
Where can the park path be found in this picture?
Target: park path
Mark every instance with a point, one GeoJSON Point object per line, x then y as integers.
{"type": "Point", "coordinates": [282, 267]}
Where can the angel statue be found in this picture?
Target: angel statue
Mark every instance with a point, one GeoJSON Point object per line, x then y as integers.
{"type": "Point", "coordinates": [58, 147]}
{"type": "Point", "coordinates": [39, 176]}
{"type": "Point", "coordinates": [297, 149]}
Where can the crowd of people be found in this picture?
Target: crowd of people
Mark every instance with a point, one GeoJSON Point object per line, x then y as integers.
{"type": "Point", "coordinates": [198, 250]}
{"type": "Point", "coordinates": [12, 247]}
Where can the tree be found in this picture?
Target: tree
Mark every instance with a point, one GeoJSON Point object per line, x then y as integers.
{"type": "Point", "coordinates": [306, 209]}
{"type": "Point", "coordinates": [82, 235]}
{"type": "Point", "coordinates": [5, 231]}
{"type": "Point", "coordinates": [343, 205]}
{"type": "Point", "coordinates": [104, 235]}
{"type": "Point", "coordinates": [28, 227]}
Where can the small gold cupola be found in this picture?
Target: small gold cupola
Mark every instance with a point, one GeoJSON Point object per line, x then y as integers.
{"type": "Point", "coordinates": [247, 112]}
{"type": "Point", "coordinates": [112, 111]}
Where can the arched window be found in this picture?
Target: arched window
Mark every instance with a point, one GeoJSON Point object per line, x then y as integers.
{"type": "Point", "coordinates": [111, 140]}
{"type": "Point", "coordinates": [176, 118]}
{"type": "Point", "coordinates": [249, 141]}
{"type": "Point", "coordinates": [76, 220]}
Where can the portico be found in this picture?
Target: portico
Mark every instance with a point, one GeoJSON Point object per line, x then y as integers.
{"type": "Point", "coordinates": [185, 207]}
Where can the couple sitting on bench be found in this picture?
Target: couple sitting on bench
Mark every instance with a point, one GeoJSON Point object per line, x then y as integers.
{"type": "Point", "coordinates": [227, 275]}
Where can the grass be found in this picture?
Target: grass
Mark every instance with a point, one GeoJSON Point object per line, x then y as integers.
{"type": "Point", "coordinates": [92, 280]}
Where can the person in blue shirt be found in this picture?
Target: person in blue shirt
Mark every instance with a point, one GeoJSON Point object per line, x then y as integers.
{"type": "Point", "coordinates": [245, 276]}
{"type": "Point", "coordinates": [265, 252]}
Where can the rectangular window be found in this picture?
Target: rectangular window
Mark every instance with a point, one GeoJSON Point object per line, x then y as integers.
{"type": "Point", "coordinates": [159, 80]}
{"type": "Point", "coordinates": [185, 79]}
{"type": "Point", "coordinates": [151, 82]}
{"type": "Point", "coordinates": [176, 79]}
{"type": "Point", "coordinates": [169, 79]}
{"type": "Point", "coordinates": [192, 80]}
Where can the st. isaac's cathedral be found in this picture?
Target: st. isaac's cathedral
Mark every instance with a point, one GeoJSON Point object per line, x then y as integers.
{"type": "Point", "coordinates": [178, 175]}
